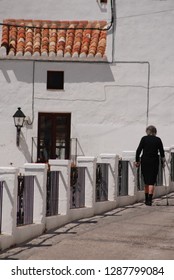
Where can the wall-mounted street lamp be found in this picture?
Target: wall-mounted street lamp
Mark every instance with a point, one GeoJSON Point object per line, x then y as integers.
{"type": "Point", "coordinates": [19, 119]}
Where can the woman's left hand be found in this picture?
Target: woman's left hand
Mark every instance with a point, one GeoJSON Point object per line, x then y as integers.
{"type": "Point", "coordinates": [137, 164]}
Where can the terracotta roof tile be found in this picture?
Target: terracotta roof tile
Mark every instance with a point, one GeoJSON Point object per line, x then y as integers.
{"type": "Point", "coordinates": [54, 38]}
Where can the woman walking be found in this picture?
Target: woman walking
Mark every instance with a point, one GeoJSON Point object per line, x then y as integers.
{"type": "Point", "coordinates": [150, 146]}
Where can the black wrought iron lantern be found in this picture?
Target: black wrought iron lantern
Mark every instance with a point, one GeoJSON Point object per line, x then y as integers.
{"type": "Point", "coordinates": [19, 119]}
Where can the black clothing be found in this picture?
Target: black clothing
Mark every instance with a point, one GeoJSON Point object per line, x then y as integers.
{"type": "Point", "coordinates": [146, 198]}
{"type": "Point", "coordinates": [150, 145]}
{"type": "Point", "coordinates": [150, 200]}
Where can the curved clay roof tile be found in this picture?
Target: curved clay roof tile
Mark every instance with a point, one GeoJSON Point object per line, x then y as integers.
{"type": "Point", "coordinates": [78, 41]}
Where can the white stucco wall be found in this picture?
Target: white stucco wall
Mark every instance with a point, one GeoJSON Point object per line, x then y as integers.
{"type": "Point", "coordinates": [103, 111]}
{"type": "Point", "coordinates": [145, 32]}
{"type": "Point", "coordinates": [52, 9]}
{"type": "Point", "coordinates": [109, 102]}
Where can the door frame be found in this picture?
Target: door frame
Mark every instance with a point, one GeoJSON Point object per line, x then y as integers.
{"type": "Point", "coordinates": [53, 116]}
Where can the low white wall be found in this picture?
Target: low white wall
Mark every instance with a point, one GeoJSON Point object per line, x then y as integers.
{"type": "Point", "coordinates": [12, 234]}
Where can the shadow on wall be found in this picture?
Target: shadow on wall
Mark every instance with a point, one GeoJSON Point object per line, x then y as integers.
{"type": "Point", "coordinates": [25, 149]}
{"type": "Point", "coordinates": [74, 72]}
{"type": "Point", "coordinates": [21, 69]}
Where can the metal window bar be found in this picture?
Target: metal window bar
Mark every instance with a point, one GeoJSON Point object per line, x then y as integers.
{"type": "Point", "coordinates": [25, 200]}
{"type": "Point", "coordinates": [123, 168]}
{"type": "Point", "coordinates": [52, 193]}
{"type": "Point", "coordinates": [73, 150]}
{"type": "Point", "coordinates": [172, 167]}
{"type": "Point", "coordinates": [102, 182]}
{"type": "Point", "coordinates": [77, 185]}
{"type": "Point", "coordinates": [1, 199]}
{"type": "Point", "coordinates": [140, 180]}
{"type": "Point", "coordinates": [34, 149]}
{"type": "Point", "coordinates": [159, 180]}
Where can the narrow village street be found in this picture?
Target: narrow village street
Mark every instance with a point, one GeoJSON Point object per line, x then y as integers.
{"type": "Point", "coordinates": [133, 232]}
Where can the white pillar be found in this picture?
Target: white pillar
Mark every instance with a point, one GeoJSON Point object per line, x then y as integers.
{"type": "Point", "coordinates": [112, 161]}
{"type": "Point", "coordinates": [39, 171]}
{"type": "Point", "coordinates": [64, 168]}
{"type": "Point", "coordinates": [90, 178]}
{"type": "Point", "coordinates": [9, 200]}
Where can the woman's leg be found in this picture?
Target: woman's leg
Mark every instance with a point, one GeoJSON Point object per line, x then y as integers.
{"type": "Point", "coordinates": [146, 192]}
{"type": "Point", "coordinates": [151, 191]}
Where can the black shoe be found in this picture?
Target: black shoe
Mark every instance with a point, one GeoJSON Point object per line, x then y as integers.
{"type": "Point", "coordinates": [149, 203]}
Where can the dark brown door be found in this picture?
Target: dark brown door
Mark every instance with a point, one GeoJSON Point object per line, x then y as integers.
{"type": "Point", "coordinates": [53, 136]}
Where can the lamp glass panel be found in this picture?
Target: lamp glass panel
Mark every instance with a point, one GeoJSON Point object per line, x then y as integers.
{"type": "Point", "coordinates": [19, 121]}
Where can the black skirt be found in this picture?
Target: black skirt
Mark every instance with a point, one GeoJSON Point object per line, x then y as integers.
{"type": "Point", "coordinates": [149, 168]}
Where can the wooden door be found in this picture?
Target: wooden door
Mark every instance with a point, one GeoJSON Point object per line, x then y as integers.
{"type": "Point", "coordinates": [53, 136]}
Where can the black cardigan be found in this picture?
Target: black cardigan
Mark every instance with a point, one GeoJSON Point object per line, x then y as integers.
{"type": "Point", "coordinates": [150, 145]}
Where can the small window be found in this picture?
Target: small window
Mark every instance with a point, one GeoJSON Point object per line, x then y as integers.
{"type": "Point", "coordinates": [55, 80]}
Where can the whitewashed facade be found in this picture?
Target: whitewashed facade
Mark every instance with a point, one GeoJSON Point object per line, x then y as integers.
{"type": "Point", "coordinates": [110, 102]}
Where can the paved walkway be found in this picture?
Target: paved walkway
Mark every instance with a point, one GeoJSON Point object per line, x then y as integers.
{"type": "Point", "coordinates": [133, 232]}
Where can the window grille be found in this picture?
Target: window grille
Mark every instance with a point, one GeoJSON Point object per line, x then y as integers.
{"type": "Point", "coordinates": [1, 199]}
{"type": "Point", "coordinates": [172, 167]}
{"type": "Point", "coordinates": [123, 168]}
{"type": "Point", "coordinates": [102, 182]}
{"type": "Point", "coordinates": [52, 193]}
{"type": "Point", "coordinates": [77, 185]}
{"type": "Point", "coordinates": [25, 200]}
